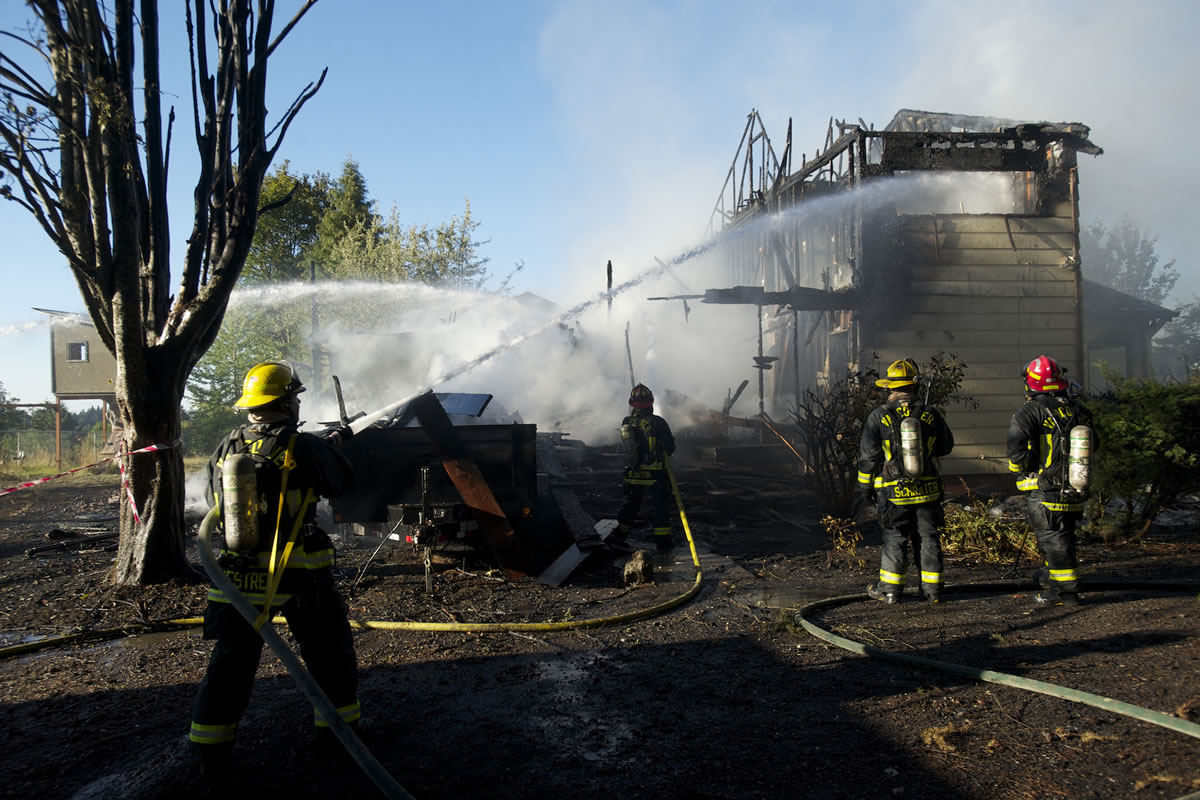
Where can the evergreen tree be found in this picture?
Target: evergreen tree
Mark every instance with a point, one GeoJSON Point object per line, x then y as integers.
{"type": "Point", "coordinates": [348, 209]}
{"type": "Point", "coordinates": [287, 232]}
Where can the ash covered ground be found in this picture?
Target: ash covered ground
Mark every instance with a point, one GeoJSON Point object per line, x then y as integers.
{"type": "Point", "coordinates": [722, 697]}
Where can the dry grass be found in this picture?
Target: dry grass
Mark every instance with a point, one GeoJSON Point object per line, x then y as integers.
{"type": "Point", "coordinates": [936, 736]}
{"type": "Point", "coordinates": [844, 537]}
{"type": "Point", "coordinates": [1152, 780]}
{"type": "Point", "coordinates": [1189, 709]}
{"type": "Point", "coordinates": [974, 532]}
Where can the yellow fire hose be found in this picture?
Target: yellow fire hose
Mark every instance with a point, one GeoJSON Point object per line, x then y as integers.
{"type": "Point", "coordinates": [339, 727]}
{"type": "Point", "coordinates": [346, 735]}
{"type": "Point", "coordinates": [462, 627]}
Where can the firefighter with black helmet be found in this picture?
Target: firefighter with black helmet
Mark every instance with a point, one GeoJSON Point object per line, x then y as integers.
{"type": "Point", "coordinates": [1050, 439]}
{"type": "Point", "coordinates": [286, 566]}
{"type": "Point", "coordinates": [647, 439]}
{"type": "Point", "coordinates": [896, 470]}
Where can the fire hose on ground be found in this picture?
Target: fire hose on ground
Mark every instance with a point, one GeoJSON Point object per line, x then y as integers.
{"type": "Point", "coordinates": [990, 676]}
{"type": "Point", "coordinates": [79, 637]}
{"type": "Point", "coordinates": [327, 710]}
{"type": "Point", "coordinates": [339, 727]}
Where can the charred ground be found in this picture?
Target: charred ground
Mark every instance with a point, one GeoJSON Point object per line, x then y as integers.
{"type": "Point", "coordinates": [724, 697]}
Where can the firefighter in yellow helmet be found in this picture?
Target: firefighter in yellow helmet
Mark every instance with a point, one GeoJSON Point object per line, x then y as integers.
{"type": "Point", "coordinates": [897, 471]}
{"type": "Point", "coordinates": [1039, 439]}
{"type": "Point", "coordinates": [648, 440]}
{"type": "Point", "coordinates": [293, 470]}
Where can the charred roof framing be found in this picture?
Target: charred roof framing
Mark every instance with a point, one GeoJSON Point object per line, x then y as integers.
{"type": "Point", "coordinates": [843, 284]}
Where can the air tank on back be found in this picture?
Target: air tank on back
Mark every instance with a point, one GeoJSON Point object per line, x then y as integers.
{"type": "Point", "coordinates": [1079, 453]}
{"type": "Point", "coordinates": [912, 451]}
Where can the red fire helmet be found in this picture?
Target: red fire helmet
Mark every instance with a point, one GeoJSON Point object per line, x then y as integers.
{"type": "Point", "coordinates": [641, 397]}
{"type": "Point", "coordinates": [1043, 374]}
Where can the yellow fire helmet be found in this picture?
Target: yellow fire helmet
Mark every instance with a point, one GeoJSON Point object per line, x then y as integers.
{"type": "Point", "coordinates": [266, 383]}
{"type": "Point", "coordinates": [899, 373]}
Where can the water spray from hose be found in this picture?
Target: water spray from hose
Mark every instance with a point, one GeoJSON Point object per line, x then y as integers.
{"type": "Point", "coordinates": [362, 423]}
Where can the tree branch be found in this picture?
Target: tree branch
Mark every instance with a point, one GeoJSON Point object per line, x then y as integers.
{"type": "Point", "coordinates": [288, 28]}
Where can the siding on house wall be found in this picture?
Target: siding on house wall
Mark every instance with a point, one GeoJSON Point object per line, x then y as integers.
{"type": "Point", "coordinates": [80, 379]}
{"type": "Point", "coordinates": [992, 290]}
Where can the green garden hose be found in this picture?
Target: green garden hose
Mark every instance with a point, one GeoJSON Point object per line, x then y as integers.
{"type": "Point", "coordinates": [1028, 684]}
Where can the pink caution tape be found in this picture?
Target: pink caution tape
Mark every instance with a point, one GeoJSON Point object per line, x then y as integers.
{"type": "Point", "coordinates": [124, 481]}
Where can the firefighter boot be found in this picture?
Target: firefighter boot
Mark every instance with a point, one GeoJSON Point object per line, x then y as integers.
{"type": "Point", "coordinates": [216, 764]}
{"type": "Point", "coordinates": [618, 540]}
{"type": "Point", "coordinates": [1043, 578]}
{"type": "Point", "coordinates": [325, 743]}
{"type": "Point", "coordinates": [932, 592]}
{"type": "Point", "coordinates": [618, 543]}
{"type": "Point", "coordinates": [663, 542]}
{"type": "Point", "coordinates": [1050, 598]}
{"type": "Point", "coordinates": [889, 595]}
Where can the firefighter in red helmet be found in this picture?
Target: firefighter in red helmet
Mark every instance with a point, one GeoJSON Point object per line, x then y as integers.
{"type": "Point", "coordinates": [1050, 439]}
{"type": "Point", "coordinates": [647, 439]}
{"type": "Point", "coordinates": [896, 470]}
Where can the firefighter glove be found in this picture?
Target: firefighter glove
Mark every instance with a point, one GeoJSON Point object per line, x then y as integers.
{"type": "Point", "coordinates": [342, 434]}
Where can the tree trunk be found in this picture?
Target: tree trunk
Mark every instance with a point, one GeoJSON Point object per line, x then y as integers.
{"type": "Point", "coordinates": [151, 548]}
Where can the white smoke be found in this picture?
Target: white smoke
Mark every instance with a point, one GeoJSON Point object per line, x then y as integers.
{"type": "Point", "coordinates": [564, 370]}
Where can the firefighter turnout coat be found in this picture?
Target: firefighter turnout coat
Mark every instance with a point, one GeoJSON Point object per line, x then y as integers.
{"type": "Point", "coordinates": [292, 470]}
{"type": "Point", "coordinates": [311, 468]}
{"type": "Point", "coordinates": [1038, 437]}
{"type": "Point", "coordinates": [879, 465]}
{"type": "Point", "coordinates": [654, 440]}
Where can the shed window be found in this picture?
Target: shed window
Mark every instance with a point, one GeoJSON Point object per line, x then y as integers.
{"type": "Point", "coordinates": [77, 351]}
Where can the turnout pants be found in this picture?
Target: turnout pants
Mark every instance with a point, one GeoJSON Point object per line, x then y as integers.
{"type": "Point", "coordinates": [661, 503]}
{"type": "Point", "coordinates": [316, 616]}
{"type": "Point", "coordinates": [1055, 532]}
{"type": "Point", "coordinates": [921, 525]}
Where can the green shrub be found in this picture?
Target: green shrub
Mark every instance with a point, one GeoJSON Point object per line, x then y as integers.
{"type": "Point", "coordinates": [1148, 454]}
{"type": "Point", "coordinates": [830, 419]}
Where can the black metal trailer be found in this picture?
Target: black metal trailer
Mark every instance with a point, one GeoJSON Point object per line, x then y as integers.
{"type": "Point", "coordinates": [441, 482]}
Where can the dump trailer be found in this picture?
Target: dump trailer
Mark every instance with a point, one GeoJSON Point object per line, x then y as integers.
{"type": "Point", "coordinates": [400, 480]}
{"type": "Point", "coordinates": [421, 478]}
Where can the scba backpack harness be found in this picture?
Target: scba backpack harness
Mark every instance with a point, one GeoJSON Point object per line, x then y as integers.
{"type": "Point", "coordinates": [905, 464]}
{"type": "Point", "coordinates": [1066, 467]}
{"type": "Point", "coordinates": [251, 472]}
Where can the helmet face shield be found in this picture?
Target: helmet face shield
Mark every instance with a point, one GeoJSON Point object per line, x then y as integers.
{"type": "Point", "coordinates": [266, 383]}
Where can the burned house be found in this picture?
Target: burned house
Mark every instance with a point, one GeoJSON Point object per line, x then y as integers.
{"type": "Point", "coordinates": [939, 233]}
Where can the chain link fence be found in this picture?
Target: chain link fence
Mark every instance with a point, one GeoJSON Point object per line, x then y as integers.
{"type": "Point", "coordinates": [36, 448]}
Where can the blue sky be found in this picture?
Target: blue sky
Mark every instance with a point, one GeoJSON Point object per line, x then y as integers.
{"type": "Point", "coordinates": [588, 131]}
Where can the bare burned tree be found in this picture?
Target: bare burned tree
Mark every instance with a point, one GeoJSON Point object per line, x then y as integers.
{"type": "Point", "coordinates": [76, 157]}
